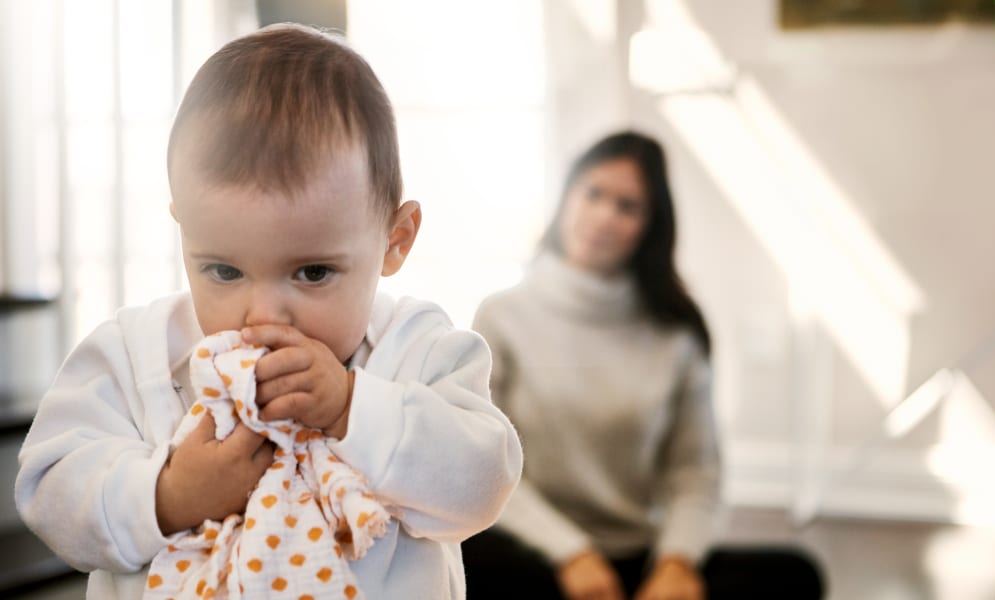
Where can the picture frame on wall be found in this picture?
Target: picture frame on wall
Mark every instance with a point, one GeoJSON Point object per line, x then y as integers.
{"type": "Point", "coordinates": [805, 14]}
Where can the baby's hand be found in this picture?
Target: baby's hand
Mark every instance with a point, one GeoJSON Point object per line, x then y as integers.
{"type": "Point", "coordinates": [300, 379]}
{"type": "Point", "coordinates": [208, 478]}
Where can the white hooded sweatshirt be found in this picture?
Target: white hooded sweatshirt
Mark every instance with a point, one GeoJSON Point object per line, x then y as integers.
{"type": "Point", "coordinates": [422, 429]}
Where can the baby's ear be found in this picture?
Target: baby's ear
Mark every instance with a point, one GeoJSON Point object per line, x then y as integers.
{"type": "Point", "coordinates": [403, 231]}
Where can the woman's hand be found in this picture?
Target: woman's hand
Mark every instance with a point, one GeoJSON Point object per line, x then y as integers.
{"type": "Point", "coordinates": [673, 578]}
{"type": "Point", "coordinates": [588, 576]}
{"type": "Point", "coordinates": [300, 379]}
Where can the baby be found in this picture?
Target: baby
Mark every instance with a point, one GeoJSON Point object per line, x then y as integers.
{"type": "Point", "coordinates": [285, 179]}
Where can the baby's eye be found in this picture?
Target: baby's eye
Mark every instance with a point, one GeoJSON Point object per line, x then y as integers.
{"type": "Point", "coordinates": [222, 272]}
{"type": "Point", "coordinates": [314, 273]}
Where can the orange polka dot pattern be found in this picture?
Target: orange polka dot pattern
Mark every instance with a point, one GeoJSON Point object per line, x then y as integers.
{"type": "Point", "coordinates": [309, 515]}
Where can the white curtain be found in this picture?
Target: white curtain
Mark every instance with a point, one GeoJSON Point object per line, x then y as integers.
{"type": "Point", "coordinates": [88, 96]}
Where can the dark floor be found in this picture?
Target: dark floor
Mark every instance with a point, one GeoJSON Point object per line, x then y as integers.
{"type": "Point", "coordinates": [71, 587]}
{"type": "Point", "coordinates": [862, 559]}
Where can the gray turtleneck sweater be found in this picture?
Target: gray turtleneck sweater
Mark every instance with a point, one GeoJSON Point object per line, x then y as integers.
{"type": "Point", "coordinates": [614, 413]}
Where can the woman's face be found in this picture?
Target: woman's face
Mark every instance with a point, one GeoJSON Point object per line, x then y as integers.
{"type": "Point", "coordinates": [605, 213]}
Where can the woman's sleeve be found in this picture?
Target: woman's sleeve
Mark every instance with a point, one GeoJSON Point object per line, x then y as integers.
{"type": "Point", "coordinates": [690, 477]}
{"type": "Point", "coordinates": [430, 441]}
{"type": "Point", "coordinates": [528, 516]}
{"type": "Point", "coordinates": [86, 483]}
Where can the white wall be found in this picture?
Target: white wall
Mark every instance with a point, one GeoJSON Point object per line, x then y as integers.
{"type": "Point", "coordinates": [896, 132]}
{"type": "Point", "coordinates": [899, 129]}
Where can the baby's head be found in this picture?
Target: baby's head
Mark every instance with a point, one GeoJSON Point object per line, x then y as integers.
{"type": "Point", "coordinates": [284, 171]}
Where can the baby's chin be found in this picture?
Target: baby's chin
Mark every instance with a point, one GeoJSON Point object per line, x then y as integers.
{"type": "Point", "coordinates": [345, 356]}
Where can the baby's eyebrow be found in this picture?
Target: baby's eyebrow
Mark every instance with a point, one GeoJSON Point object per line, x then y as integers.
{"type": "Point", "coordinates": [204, 256]}
{"type": "Point", "coordinates": [318, 258]}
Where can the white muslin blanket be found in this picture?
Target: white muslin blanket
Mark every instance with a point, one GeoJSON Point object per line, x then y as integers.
{"type": "Point", "coordinates": [308, 516]}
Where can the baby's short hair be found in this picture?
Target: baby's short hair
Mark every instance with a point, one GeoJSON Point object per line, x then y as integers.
{"type": "Point", "coordinates": [274, 106]}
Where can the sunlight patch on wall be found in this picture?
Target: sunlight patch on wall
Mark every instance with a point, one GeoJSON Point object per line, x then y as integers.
{"type": "Point", "coordinates": [871, 329]}
{"type": "Point", "coordinates": [599, 18]}
{"type": "Point", "coordinates": [829, 255]}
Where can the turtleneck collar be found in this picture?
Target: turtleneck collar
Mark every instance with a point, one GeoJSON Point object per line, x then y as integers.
{"type": "Point", "coordinates": [582, 294]}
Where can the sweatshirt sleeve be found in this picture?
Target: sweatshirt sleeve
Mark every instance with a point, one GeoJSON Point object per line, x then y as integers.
{"type": "Point", "coordinates": [689, 483]}
{"type": "Point", "coordinates": [529, 516]}
{"type": "Point", "coordinates": [429, 439]}
{"type": "Point", "coordinates": [86, 483]}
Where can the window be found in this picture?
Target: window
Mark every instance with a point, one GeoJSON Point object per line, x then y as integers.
{"type": "Point", "coordinates": [89, 93]}
{"type": "Point", "coordinates": [90, 90]}
{"type": "Point", "coordinates": [467, 82]}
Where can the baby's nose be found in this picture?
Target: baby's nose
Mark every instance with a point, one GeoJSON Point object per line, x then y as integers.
{"type": "Point", "coordinates": [267, 306]}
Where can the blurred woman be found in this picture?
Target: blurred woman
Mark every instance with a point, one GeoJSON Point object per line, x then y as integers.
{"type": "Point", "coordinates": [601, 360]}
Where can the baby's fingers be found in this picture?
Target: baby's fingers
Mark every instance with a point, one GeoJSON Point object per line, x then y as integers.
{"type": "Point", "coordinates": [282, 362]}
{"type": "Point", "coordinates": [293, 405]}
{"type": "Point", "coordinates": [263, 457]}
{"type": "Point", "coordinates": [204, 431]}
{"type": "Point", "coordinates": [273, 336]}
{"type": "Point", "coordinates": [268, 391]}
{"type": "Point", "coordinates": [243, 441]}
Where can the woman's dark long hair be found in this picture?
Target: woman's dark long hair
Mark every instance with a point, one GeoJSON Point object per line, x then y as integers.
{"type": "Point", "coordinates": [661, 289]}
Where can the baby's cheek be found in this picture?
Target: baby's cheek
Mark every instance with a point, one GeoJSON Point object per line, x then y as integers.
{"type": "Point", "coordinates": [214, 317]}
{"type": "Point", "coordinates": [343, 337]}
